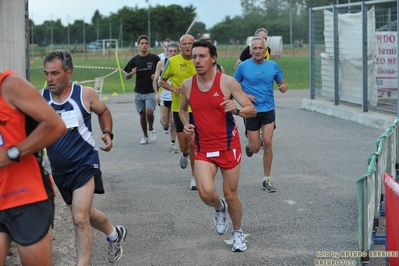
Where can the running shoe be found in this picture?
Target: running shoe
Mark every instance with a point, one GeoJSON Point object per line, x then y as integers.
{"type": "Point", "coordinates": [221, 223]}
{"type": "Point", "coordinates": [193, 184]}
{"type": "Point", "coordinates": [173, 148]}
{"type": "Point", "coordinates": [115, 251]}
{"type": "Point", "coordinates": [183, 161]}
{"type": "Point", "coordinates": [153, 137]}
{"type": "Point", "coordinates": [268, 186]}
{"type": "Point", "coordinates": [239, 243]}
{"type": "Point", "coordinates": [144, 140]}
{"type": "Point", "coordinates": [248, 151]}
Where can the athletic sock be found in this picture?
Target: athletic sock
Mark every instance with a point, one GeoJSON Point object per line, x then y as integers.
{"type": "Point", "coordinates": [222, 206]}
{"type": "Point", "coordinates": [113, 236]}
{"type": "Point", "coordinates": [237, 230]}
{"type": "Point", "coordinates": [266, 178]}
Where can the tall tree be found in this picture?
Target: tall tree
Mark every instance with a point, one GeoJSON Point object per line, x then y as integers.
{"type": "Point", "coordinates": [96, 17]}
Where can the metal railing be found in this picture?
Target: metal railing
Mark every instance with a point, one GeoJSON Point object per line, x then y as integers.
{"type": "Point", "coordinates": [353, 54]}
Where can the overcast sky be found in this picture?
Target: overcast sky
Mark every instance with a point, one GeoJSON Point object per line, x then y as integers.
{"type": "Point", "coordinates": [209, 12]}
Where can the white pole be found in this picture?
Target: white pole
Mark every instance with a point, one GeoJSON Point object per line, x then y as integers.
{"type": "Point", "coordinates": [192, 23]}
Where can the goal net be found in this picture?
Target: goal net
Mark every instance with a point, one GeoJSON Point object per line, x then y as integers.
{"type": "Point", "coordinates": [109, 44]}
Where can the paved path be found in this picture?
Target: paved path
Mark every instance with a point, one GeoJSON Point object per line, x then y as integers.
{"type": "Point", "coordinates": [317, 160]}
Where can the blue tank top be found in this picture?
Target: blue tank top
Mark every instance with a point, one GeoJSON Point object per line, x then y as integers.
{"type": "Point", "coordinates": [77, 146]}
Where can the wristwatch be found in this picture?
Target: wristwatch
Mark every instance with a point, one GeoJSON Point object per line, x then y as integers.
{"type": "Point", "coordinates": [111, 135]}
{"type": "Point", "coordinates": [237, 111]}
{"type": "Point", "coordinates": [13, 154]}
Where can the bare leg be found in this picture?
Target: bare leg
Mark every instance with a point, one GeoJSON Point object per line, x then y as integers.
{"type": "Point", "coordinates": [183, 143]}
{"type": "Point", "coordinates": [230, 190]}
{"type": "Point", "coordinates": [5, 242]}
{"type": "Point", "coordinates": [38, 253]}
{"type": "Point", "coordinates": [204, 176]}
{"type": "Point", "coordinates": [165, 116]}
{"type": "Point", "coordinates": [143, 123]}
{"type": "Point", "coordinates": [172, 127]}
{"type": "Point", "coordinates": [82, 201]}
{"type": "Point", "coordinates": [100, 221]}
{"type": "Point", "coordinates": [267, 135]}
{"type": "Point", "coordinates": [150, 118]}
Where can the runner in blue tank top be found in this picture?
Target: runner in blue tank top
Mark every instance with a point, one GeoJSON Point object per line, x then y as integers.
{"type": "Point", "coordinates": [74, 157]}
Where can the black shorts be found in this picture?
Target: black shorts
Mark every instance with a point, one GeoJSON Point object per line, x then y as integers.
{"type": "Point", "coordinates": [261, 118]}
{"type": "Point", "coordinates": [178, 124]}
{"type": "Point", "coordinates": [28, 224]}
{"type": "Point", "coordinates": [69, 182]}
{"type": "Point", "coordinates": [167, 104]}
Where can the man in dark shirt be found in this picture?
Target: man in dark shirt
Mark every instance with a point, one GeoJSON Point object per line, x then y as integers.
{"type": "Point", "coordinates": [144, 65]}
{"type": "Point", "coordinates": [246, 54]}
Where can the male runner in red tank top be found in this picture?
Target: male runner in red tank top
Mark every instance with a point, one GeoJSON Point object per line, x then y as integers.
{"type": "Point", "coordinates": [215, 135]}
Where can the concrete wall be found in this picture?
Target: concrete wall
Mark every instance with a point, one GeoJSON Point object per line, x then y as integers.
{"type": "Point", "coordinates": [13, 37]}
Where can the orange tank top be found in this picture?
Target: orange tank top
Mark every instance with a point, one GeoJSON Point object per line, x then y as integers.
{"type": "Point", "coordinates": [22, 182]}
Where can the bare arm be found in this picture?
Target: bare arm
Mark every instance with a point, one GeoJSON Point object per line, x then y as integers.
{"type": "Point", "coordinates": [232, 89]}
{"type": "Point", "coordinates": [164, 84]}
{"type": "Point", "coordinates": [155, 81]}
{"type": "Point", "coordinates": [282, 86]}
{"type": "Point", "coordinates": [130, 75]}
{"type": "Point", "coordinates": [237, 63]}
{"type": "Point", "coordinates": [157, 73]}
{"type": "Point", "coordinates": [93, 103]}
{"type": "Point", "coordinates": [23, 96]}
{"type": "Point", "coordinates": [183, 112]}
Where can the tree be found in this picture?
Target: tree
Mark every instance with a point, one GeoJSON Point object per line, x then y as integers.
{"type": "Point", "coordinates": [96, 17]}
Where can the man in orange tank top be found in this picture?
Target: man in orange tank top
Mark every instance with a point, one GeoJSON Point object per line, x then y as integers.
{"type": "Point", "coordinates": [27, 125]}
{"type": "Point", "coordinates": [215, 136]}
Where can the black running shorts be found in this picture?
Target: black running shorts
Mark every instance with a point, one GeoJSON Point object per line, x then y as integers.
{"type": "Point", "coordinates": [28, 224]}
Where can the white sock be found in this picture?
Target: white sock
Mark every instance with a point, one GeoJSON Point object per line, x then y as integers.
{"type": "Point", "coordinates": [237, 230]}
{"type": "Point", "coordinates": [113, 236]}
{"type": "Point", "coordinates": [222, 206]}
{"type": "Point", "coordinates": [266, 178]}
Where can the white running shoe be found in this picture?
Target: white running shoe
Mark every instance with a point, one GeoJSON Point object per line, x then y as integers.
{"type": "Point", "coordinates": [221, 223]}
{"type": "Point", "coordinates": [183, 161]}
{"type": "Point", "coordinates": [239, 243]}
{"type": "Point", "coordinates": [173, 148]}
{"type": "Point", "coordinates": [153, 137]}
{"type": "Point", "coordinates": [115, 251]}
{"type": "Point", "coordinates": [193, 184]}
{"type": "Point", "coordinates": [144, 140]}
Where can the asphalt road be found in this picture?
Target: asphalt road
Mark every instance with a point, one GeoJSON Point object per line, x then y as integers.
{"type": "Point", "coordinates": [317, 160]}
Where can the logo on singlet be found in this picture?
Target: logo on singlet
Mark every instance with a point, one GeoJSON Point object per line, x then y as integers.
{"type": "Point", "coordinates": [3, 122]}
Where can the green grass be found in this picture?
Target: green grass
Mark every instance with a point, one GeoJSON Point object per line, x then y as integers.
{"type": "Point", "coordinates": [295, 69]}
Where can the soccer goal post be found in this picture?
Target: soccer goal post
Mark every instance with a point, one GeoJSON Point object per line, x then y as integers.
{"type": "Point", "coordinates": [109, 44]}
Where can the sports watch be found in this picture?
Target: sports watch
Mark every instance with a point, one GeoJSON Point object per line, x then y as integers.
{"type": "Point", "coordinates": [13, 154]}
{"type": "Point", "coordinates": [111, 135]}
{"type": "Point", "coordinates": [238, 111]}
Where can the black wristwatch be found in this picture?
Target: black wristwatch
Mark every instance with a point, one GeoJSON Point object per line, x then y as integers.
{"type": "Point", "coordinates": [13, 154]}
{"type": "Point", "coordinates": [237, 111]}
{"type": "Point", "coordinates": [111, 135]}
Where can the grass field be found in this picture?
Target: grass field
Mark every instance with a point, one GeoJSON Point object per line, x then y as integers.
{"type": "Point", "coordinates": [295, 69]}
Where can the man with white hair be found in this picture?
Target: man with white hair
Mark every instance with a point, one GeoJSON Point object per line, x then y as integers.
{"type": "Point", "coordinates": [257, 76]}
